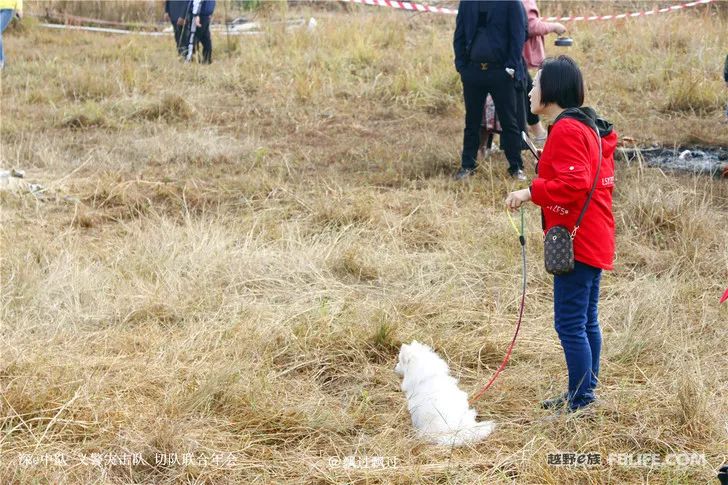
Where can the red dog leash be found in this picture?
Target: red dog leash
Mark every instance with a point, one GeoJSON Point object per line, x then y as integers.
{"type": "Point", "coordinates": [522, 240]}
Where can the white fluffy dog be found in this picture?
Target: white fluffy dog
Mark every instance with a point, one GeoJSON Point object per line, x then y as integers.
{"type": "Point", "coordinates": [439, 409]}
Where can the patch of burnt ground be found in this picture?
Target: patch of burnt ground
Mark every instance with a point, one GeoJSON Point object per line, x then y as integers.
{"type": "Point", "coordinates": [706, 160]}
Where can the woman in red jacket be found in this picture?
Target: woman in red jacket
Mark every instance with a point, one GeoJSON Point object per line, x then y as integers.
{"type": "Point", "coordinates": [566, 172]}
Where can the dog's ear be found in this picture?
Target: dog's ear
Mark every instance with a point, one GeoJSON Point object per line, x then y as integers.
{"type": "Point", "coordinates": [402, 361]}
{"type": "Point", "coordinates": [419, 346]}
{"type": "Point", "coordinates": [405, 354]}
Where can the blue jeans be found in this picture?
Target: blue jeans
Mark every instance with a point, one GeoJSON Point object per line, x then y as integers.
{"type": "Point", "coordinates": [6, 15]}
{"type": "Point", "coordinates": [576, 297]}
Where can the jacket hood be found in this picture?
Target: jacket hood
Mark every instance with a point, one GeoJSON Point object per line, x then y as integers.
{"type": "Point", "coordinates": [589, 117]}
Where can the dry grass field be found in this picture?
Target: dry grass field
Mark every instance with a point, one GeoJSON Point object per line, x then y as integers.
{"type": "Point", "coordinates": [223, 260]}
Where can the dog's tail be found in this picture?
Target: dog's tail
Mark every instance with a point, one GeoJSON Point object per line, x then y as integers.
{"type": "Point", "coordinates": [465, 436]}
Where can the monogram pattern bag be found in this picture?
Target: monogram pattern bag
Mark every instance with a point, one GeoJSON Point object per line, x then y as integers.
{"type": "Point", "coordinates": [558, 251]}
{"type": "Point", "coordinates": [558, 243]}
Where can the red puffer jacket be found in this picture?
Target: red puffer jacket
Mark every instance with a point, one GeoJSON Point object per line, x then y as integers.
{"type": "Point", "coordinates": [566, 172]}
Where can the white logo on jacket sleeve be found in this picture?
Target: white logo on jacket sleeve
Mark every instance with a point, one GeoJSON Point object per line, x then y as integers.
{"type": "Point", "coordinates": [558, 209]}
{"type": "Point", "coordinates": [608, 181]}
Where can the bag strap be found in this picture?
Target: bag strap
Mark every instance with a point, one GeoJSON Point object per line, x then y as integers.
{"type": "Point", "coordinates": [594, 185]}
{"type": "Point", "coordinates": [591, 124]}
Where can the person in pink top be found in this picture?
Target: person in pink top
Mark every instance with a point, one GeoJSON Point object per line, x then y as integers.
{"type": "Point", "coordinates": [534, 54]}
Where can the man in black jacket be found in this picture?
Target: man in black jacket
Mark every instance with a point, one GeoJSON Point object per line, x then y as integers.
{"type": "Point", "coordinates": [176, 11]}
{"type": "Point", "coordinates": [488, 44]}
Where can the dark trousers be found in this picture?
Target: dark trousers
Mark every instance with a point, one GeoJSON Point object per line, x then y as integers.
{"type": "Point", "coordinates": [179, 39]}
{"type": "Point", "coordinates": [202, 35]}
{"type": "Point", "coordinates": [531, 118]}
{"type": "Point", "coordinates": [576, 297]}
{"type": "Point", "coordinates": [477, 83]}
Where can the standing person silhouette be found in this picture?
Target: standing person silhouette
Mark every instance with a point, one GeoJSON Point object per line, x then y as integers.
{"type": "Point", "coordinates": [573, 179]}
{"type": "Point", "coordinates": [488, 44]}
{"type": "Point", "coordinates": [202, 11]}
{"type": "Point", "coordinates": [176, 12]}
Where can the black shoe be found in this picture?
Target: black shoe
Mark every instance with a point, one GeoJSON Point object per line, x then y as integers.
{"type": "Point", "coordinates": [464, 173]}
{"type": "Point", "coordinates": [555, 402]}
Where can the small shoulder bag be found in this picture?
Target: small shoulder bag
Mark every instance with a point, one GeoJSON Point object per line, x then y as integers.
{"type": "Point", "coordinates": [558, 243]}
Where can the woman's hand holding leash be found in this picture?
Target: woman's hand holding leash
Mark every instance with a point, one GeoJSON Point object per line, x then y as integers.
{"type": "Point", "coordinates": [516, 198]}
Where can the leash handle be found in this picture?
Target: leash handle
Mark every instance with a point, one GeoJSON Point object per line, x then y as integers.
{"type": "Point", "coordinates": [513, 223]}
{"type": "Point", "coordinates": [522, 232]}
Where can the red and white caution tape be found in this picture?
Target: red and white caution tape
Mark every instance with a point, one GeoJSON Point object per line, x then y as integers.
{"type": "Point", "coordinates": [645, 13]}
{"type": "Point", "coordinates": [409, 6]}
{"type": "Point", "coordinates": [418, 7]}
{"type": "Point", "coordinates": [413, 7]}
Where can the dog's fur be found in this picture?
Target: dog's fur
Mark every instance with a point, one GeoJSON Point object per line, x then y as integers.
{"type": "Point", "coordinates": [439, 409]}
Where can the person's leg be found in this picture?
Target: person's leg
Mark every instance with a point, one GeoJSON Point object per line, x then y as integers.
{"type": "Point", "coordinates": [502, 89]}
{"type": "Point", "coordinates": [593, 332]}
{"type": "Point", "coordinates": [198, 38]}
{"type": "Point", "coordinates": [177, 36]}
{"type": "Point", "coordinates": [483, 138]}
{"type": "Point", "coordinates": [474, 97]}
{"type": "Point", "coordinates": [486, 143]}
{"type": "Point", "coordinates": [6, 15]}
{"type": "Point", "coordinates": [571, 301]}
{"type": "Point", "coordinates": [206, 40]}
